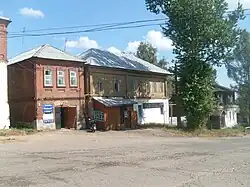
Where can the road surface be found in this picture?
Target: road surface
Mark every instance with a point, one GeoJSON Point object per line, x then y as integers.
{"type": "Point", "coordinates": [141, 158]}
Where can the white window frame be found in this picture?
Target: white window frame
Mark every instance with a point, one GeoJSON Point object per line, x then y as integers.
{"type": "Point", "coordinates": [61, 76]}
{"type": "Point", "coordinates": [48, 77]}
{"type": "Point", "coordinates": [72, 76]}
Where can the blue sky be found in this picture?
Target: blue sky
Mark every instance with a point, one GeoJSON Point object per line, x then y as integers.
{"type": "Point", "coordinates": [48, 14]}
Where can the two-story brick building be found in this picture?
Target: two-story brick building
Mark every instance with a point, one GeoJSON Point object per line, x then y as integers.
{"type": "Point", "coordinates": [52, 89]}
{"type": "Point", "coordinates": [46, 88]}
{"type": "Point", "coordinates": [124, 90]}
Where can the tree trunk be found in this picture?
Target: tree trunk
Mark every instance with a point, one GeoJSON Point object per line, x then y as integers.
{"type": "Point", "coordinates": [179, 125]}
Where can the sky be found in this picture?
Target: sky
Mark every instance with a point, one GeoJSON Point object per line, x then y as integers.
{"type": "Point", "coordinates": [39, 14]}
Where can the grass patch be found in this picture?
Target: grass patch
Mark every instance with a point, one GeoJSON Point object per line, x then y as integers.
{"type": "Point", "coordinates": [228, 132]}
{"type": "Point", "coordinates": [17, 132]}
{"type": "Point", "coordinates": [174, 131]}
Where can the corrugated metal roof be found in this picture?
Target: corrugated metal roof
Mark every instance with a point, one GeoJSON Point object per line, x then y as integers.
{"type": "Point", "coordinates": [222, 88]}
{"type": "Point", "coordinates": [103, 58]}
{"type": "Point", "coordinates": [5, 18]}
{"type": "Point", "coordinates": [112, 102]}
{"type": "Point", "coordinates": [47, 52]}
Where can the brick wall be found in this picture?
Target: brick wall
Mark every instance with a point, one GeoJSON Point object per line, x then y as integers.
{"type": "Point", "coordinates": [55, 92]}
{"type": "Point", "coordinates": [21, 92]}
{"type": "Point", "coordinates": [27, 92]}
{"type": "Point", "coordinates": [3, 38]}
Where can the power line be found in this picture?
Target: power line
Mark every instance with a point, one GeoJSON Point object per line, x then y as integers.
{"type": "Point", "coordinates": [93, 25]}
{"type": "Point", "coordinates": [115, 26]}
{"type": "Point", "coordinates": [100, 25]}
{"type": "Point", "coordinates": [85, 31]}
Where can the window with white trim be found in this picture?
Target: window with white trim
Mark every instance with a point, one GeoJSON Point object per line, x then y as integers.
{"type": "Point", "coordinates": [98, 115]}
{"type": "Point", "coordinates": [60, 78]}
{"type": "Point", "coordinates": [48, 77]}
{"type": "Point", "coordinates": [73, 78]}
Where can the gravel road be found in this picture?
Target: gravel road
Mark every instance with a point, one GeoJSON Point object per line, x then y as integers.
{"type": "Point", "coordinates": [141, 158]}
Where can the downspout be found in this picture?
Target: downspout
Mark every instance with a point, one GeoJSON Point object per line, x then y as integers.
{"type": "Point", "coordinates": [35, 92]}
{"type": "Point", "coordinates": [86, 89]}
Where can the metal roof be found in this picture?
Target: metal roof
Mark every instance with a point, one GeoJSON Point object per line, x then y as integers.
{"type": "Point", "coordinates": [222, 88]}
{"type": "Point", "coordinates": [114, 102]}
{"type": "Point", "coordinates": [47, 52]}
{"type": "Point", "coordinates": [5, 18]}
{"type": "Point", "coordinates": [103, 58]}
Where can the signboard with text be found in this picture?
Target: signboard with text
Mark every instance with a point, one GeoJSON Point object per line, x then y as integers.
{"type": "Point", "coordinates": [48, 113]}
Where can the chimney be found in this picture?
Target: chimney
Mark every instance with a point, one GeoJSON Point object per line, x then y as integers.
{"type": "Point", "coordinates": [4, 22]}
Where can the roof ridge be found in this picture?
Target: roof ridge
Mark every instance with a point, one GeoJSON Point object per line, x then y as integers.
{"type": "Point", "coordinates": [40, 49]}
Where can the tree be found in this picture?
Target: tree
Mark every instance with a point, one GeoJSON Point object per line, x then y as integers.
{"type": "Point", "coordinates": [239, 71]}
{"type": "Point", "coordinates": [203, 34]}
{"type": "Point", "coordinates": [163, 63]}
{"type": "Point", "coordinates": [147, 52]}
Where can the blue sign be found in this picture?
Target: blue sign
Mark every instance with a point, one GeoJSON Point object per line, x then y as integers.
{"type": "Point", "coordinates": [48, 108]}
{"type": "Point", "coordinates": [48, 121]}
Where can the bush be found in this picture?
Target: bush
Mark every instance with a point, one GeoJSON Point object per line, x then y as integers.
{"type": "Point", "coordinates": [22, 125]}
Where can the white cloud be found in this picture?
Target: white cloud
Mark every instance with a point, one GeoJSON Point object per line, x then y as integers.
{"type": "Point", "coordinates": [155, 38]}
{"type": "Point", "coordinates": [158, 41]}
{"type": "Point", "coordinates": [82, 43]}
{"type": "Point", "coordinates": [31, 12]}
{"type": "Point", "coordinates": [113, 50]}
{"type": "Point", "coordinates": [233, 3]}
{"type": "Point", "coordinates": [132, 46]}
{"type": "Point", "coordinates": [1, 13]}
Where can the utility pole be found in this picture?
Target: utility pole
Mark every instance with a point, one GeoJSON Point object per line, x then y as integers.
{"type": "Point", "coordinates": [24, 30]}
{"type": "Point", "coordinates": [65, 43]}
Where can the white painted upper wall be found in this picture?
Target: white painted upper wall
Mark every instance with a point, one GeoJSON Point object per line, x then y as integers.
{"type": "Point", "coordinates": [4, 114]}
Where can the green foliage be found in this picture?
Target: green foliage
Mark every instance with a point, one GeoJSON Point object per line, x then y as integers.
{"type": "Point", "coordinates": [163, 63]}
{"type": "Point", "coordinates": [22, 125]}
{"type": "Point", "coordinates": [147, 52]}
{"type": "Point", "coordinates": [239, 71]}
{"type": "Point", "coordinates": [203, 34]}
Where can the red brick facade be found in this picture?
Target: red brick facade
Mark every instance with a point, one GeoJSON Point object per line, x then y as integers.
{"type": "Point", "coordinates": [3, 38]}
{"type": "Point", "coordinates": [28, 94]}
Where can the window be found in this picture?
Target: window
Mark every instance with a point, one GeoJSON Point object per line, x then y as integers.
{"type": "Point", "coordinates": [160, 84]}
{"type": "Point", "coordinates": [132, 85]}
{"type": "Point", "coordinates": [154, 86]}
{"type": "Point", "coordinates": [98, 115]}
{"type": "Point", "coordinates": [60, 78]}
{"type": "Point", "coordinates": [152, 105]}
{"type": "Point", "coordinates": [73, 78]}
{"type": "Point", "coordinates": [47, 77]}
{"type": "Point", "coordinates": [117, 85]}
{"type": "Point", "coordinates": [100, 89]}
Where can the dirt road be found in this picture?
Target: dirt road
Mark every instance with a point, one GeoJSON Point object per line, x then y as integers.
{"type": "Point", "coordinates": [142, 158]}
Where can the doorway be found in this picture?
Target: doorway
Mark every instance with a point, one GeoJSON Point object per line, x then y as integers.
{"type": "Point", "coordinates": [66, 117]}
{"type": "Point", "coordinates": [125, 117]}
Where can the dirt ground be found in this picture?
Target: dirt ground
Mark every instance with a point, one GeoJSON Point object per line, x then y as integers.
{"type": "Point", "coordinates": [140, 158]}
